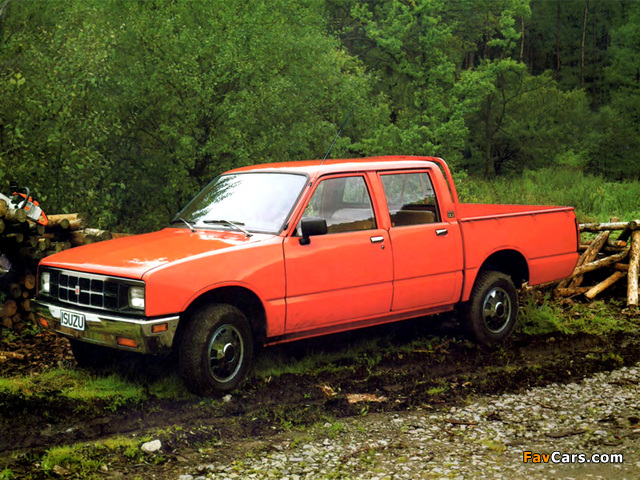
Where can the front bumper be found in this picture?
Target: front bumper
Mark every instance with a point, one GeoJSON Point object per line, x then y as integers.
{"type": "Point", "coordinates": [110, 330]}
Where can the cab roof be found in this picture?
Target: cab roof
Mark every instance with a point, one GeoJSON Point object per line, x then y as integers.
{"type": "Point", "coordinates": [314, 168]}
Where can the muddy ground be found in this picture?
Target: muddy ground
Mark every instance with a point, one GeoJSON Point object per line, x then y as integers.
{"type": "Point", "coordinates": [450, 371]}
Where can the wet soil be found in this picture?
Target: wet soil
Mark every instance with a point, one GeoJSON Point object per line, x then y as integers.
{"type": "Point", "coordinates": [449, 372]}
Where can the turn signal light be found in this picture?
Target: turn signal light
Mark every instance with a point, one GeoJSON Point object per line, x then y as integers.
{"type": "Point", "coordinates": [161, 327]}
{"type": "Point", "coordinates": [43, 322]}
{"type": "Point", "coordinates": [126, 342]}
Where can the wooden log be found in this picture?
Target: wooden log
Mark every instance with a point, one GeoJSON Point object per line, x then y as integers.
{"type": "Point", "coordinates": [569, 292]}
{"type": "Point", "coordinates": [631, 226]}
{"type": "Point", "coordinates": [32, 242]}
{"type": "Point", "coordinates": [15, 290]}
{"type": "Point", "coordinates": [121, 235]}
{"type": "Point", "coordinates": [36, 228]}
{"type": "Point", "coordinates": [16, 216]}
{"type": "Point", "coordinates": [603, 262]}
{"type": "Point", "coordinates": [634, 266]}
{"type": "Point", "coordinates": [29, 281]}
{"type": "Point", "coordinates": [26, 305]}
{"type": "Point", "coordinates": [16, 237]}
{"type": "Point", "coordinates": [600, 227]}
{"type": "Point", "coordinates": [7, 322]}
{"type": "Point", "coordinates": [1, 225]}
{"type": "Point", "coordinates": [591, 294]}
{"type": "Point", "coordinates": [9, 308]}
{"type": "Point", "coordinates": [610, 243]}
{"type": "Point", "coordinates": [605, 249]}
{"type": "Point", "coordinates": [44, 244]}
{"type": "Point", "coordinates": [68, 221]}
{"type": "Point", "coordinates": [60, 246]}
{"type": "Point", "coordinates": [17, 356]}
{"type": "Point", "coordinates": [30, 254]}
{"type": "Point", "coordinates": [3, 208]}
{"type": "Point", "coordinates": [89, 235]}
{"type": "Point", "coordinates": [621, 267]}
{"type": "Point", "coordinates": [588, 256]}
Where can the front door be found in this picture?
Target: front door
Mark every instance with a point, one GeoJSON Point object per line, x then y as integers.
{"type": "Point", "coordinates": [345, 274]}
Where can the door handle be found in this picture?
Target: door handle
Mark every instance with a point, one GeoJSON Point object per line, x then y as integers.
{"type": "Point", "coordinates": [377, 239]}
{"type": "Point", "coordinates": [441, 232]}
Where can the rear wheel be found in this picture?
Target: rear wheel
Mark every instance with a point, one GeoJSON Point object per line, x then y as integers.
{"type": "Point", "coordinates": [216, 349]}
{"type": "Point", "coordinates": [492, 310]}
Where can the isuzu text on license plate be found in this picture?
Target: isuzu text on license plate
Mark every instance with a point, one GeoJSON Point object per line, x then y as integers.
{"type": "Point", "coordinates": [72, 320]}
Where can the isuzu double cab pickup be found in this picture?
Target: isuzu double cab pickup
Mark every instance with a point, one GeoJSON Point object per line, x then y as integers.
{"type": "Point", "coordinates": [278, 252]}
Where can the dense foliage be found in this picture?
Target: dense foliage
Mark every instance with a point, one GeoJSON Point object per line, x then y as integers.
{"type": "Point", "coordinates": [124, 109]}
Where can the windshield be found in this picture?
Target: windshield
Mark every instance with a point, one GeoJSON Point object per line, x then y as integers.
{"type": "Point", "coordinates": [258, 202]}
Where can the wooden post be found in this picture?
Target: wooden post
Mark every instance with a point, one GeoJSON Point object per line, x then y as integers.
{"type": "Point", "coordinates": [634, 264]}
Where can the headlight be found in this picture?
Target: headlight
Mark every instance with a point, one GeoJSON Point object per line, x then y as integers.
{"type": "Point", "coordinates": [45, 282]}
{"type": "Point", "coordinates": [136, 298]}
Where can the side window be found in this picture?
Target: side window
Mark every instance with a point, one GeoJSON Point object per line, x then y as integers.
{"type": "Point", "coordinates": [344, 203]}
{"type": "Point", "coordinates": [410, 198]}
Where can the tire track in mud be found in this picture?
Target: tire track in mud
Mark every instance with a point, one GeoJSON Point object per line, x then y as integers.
{"type": "Point", "coordinates": [446, 375]}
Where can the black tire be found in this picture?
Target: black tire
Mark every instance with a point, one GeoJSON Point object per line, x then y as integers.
{"type": "Point", "coordinates": [89, 355]}
{"type": "Point", "coordinates": [491, 313]}
{"type": "Point", "coordinates": [225, 330]}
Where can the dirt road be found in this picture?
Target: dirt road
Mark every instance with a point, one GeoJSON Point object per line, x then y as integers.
{"type": "Point", "coordinates": [401, 405]}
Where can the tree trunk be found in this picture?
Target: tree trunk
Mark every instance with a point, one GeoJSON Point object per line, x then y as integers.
{"type": "Point", "coordinates": [582, 44]}
{"type": "Point", "coordinates": [557, 72]}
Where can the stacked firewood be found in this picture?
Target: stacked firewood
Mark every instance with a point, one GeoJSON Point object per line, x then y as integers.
{"type": "Point", "coordinates": [612, 248]}
{"type": "Point", "coordinates": [23, 244]}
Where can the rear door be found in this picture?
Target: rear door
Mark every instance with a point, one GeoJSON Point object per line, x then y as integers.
{"type": "Point", "coordinates": [346, 274]}
{"type": "Point", "coordinates": [427, 250]}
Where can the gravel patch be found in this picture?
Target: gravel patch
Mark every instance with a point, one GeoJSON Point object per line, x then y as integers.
{"type": "Point", "coordinates": [486, 439]}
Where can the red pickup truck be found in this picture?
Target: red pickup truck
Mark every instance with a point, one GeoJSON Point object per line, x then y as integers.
{"type": "Point", "coordinates": [279, 252]}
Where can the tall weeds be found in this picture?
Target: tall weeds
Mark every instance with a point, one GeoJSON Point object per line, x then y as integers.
{"type": "Point", "coordinates": [594, 198]}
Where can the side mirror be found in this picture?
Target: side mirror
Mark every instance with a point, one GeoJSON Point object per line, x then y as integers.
{"type": "Point", "coordinates": [311, 226]}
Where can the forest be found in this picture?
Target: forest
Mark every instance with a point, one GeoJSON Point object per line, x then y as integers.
{"type": "Point", "coordinates": [123, 110]}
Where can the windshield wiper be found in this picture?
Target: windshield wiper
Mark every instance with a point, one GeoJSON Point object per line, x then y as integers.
{"type": "Point", "coordinates": [180, 219]}
{"type": "Point", "coordinates": [235, 225]}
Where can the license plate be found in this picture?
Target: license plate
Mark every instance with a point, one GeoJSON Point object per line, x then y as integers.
{"type": "Point", "coordinates": [72, 320]}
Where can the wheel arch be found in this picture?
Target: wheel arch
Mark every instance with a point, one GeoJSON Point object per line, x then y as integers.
{"type": "Point", "coordinates": [240, 297]}
{"type": "Point", "coordinates": [510, 262]}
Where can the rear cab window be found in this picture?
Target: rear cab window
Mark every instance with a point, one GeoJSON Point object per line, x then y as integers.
{"type": "Point", "coordinates": [411, 198]}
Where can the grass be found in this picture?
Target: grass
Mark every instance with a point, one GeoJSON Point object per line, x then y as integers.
{"type": "Point", "coordinates": [361, 352]}
{"type": "Point", "coordinates": [594, 198]}
{"type": "Point", "coordinates": [110, 391]}
{"type": "Point", "coordinates": [541, 315]}
{"type": "Point", "coordinates": [87, 460]}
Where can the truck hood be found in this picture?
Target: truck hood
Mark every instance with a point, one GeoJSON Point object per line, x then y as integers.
{"type": "Point", "coordinates": [132, 257]}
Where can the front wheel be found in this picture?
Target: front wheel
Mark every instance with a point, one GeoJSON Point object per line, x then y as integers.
{"type": "Point", "coordinates": [491, 313]}
{"type": "Point", "coordinates": [216, 349]}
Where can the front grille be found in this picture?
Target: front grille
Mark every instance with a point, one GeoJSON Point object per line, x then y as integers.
{"type": "Point", "coordinates": [89, 290]}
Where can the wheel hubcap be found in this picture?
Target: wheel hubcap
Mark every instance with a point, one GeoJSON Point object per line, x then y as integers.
{"type": "Point", "coordinates": [497, 310]}
{"type": "Point", "coordinates": [226, 352]}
